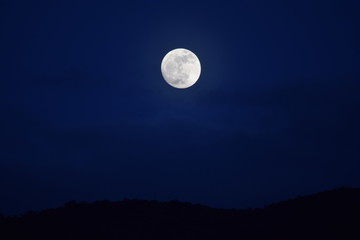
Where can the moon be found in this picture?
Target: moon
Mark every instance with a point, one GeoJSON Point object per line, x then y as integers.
{"type": "Point", "coordinates": [180, 68]}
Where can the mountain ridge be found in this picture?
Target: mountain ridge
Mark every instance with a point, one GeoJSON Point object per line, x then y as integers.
{"type": "Point", "coordinates": [332, 214]}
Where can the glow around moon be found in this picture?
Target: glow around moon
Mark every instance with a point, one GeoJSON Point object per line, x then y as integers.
{"type": "Point", "coordinates": [180, 68]}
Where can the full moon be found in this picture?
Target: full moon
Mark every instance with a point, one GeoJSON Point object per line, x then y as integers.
{"type": "Point", "coordinates": [180, 68]}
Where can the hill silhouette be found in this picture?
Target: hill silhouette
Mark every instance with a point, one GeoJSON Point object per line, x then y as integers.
{"type": "Point", "coordinates": [331, 214]}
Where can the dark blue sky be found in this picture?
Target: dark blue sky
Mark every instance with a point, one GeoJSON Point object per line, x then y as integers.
{"type": "Point", "coordinates": [86, 115]}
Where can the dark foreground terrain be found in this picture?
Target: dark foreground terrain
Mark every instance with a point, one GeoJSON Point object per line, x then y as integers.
{"type": "Point", "coordinates": [327, 215]}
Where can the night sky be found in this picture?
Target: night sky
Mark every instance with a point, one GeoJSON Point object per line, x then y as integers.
{"type": "Point", "coordinates": [86, 115]}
